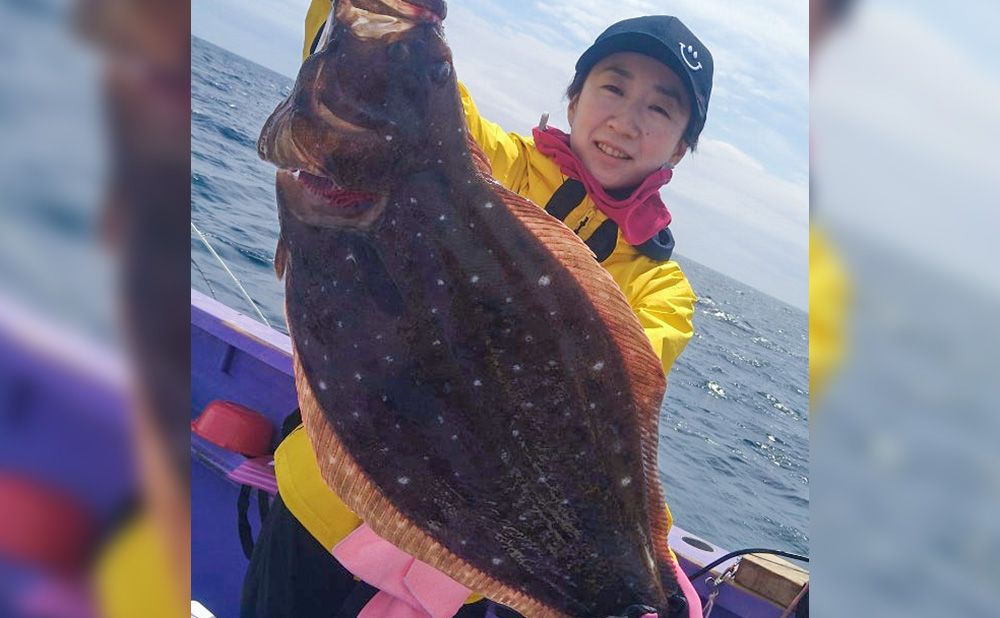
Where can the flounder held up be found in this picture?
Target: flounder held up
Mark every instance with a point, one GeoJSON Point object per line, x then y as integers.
{"type": "Point", "coordinates": [474, 384]}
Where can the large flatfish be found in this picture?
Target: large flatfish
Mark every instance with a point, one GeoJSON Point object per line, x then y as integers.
{"type": "Point", "coordinates": [474, 384]}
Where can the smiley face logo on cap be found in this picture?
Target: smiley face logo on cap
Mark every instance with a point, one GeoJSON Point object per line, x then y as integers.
{"type": "Point", "coordinates": [689, 49]}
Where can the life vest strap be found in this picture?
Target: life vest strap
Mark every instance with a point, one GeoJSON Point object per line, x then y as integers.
{"type": "Point", "coordinates": [566, 198]}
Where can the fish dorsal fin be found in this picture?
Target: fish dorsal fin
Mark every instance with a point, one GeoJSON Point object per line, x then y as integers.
{"type": "Point", "coordinates": [645, 367]}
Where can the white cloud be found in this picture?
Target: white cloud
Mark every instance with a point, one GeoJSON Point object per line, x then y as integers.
{"type": "Point", "coordinates": [732, 215]}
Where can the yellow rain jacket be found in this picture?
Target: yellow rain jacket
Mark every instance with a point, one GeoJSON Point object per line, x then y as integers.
{"type": "Point", "coordinates": [657, 291]}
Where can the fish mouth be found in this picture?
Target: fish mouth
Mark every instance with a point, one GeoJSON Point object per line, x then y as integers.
{"type": "Point", "coordinates": [378, 18]}
{"type": "Point", "coordinates": [318, 200]}
{"type": "Point", "coordinates": [420, 10]}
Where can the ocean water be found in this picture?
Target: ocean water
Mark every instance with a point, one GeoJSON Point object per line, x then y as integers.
{"type": "Point", "coordinates": [734, 426]}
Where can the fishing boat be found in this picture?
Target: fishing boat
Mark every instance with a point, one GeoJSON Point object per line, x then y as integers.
{"type": "Point", "coordinates": [235, 358]}
{"type": "Point", "coordinates": [66, 450]}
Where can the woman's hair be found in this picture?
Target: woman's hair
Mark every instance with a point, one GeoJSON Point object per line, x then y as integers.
{"type": "Point", "coordinates": [576, 87]}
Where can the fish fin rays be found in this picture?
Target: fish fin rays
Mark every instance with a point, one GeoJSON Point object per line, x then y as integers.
{"type": "Point", "coordinates": [280, 258]}
{"type": "Point", "coordinates": [644, 367]}
{"type": "Point", "coordinates": [346, 478]}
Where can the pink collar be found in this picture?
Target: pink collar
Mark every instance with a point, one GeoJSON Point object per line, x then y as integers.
{"type": "Point", "coordinates": [640, 216]}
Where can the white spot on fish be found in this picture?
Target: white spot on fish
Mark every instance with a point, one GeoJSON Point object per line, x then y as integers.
{"type": "Point", "coordinates": [564, 502]}
{"type": "Point", "coordinates": [472, 225]}
{"type": "Point", "coordinates": [515, 433]}
{"type": "Point", "coordinates": [474, 278]}
{"type": "Point", "coordinates": [396, 425]}
{"type": "Point", "coordinates": [356, 414]}
{"type": "Point", "coordinates": [357, 376]}
{"type": "Point", "coordinates": [497, 561]}
{"type": "Point", "coordinates": [488, 205]}
{"type": "Point", "coordinates": [325, 357]}
{"type": "Point", "coordinates": [378, 337]}
{"type": "Point", "coordinates": [322, 288]}
{"type": "Point", "coordinates": [388, 359]}
{"type": "Point", "coordinates": [516, 368]}
{"type": "Point", "coordinates": [419, 234]}
{"type": "Point", "coordinates": [626, 481]}
{"type": "Point", "coordinates": [403, 480]}
{"type": "Point", "coordinates": [542, 479]}
{"type": "Point", "coordinates": [529, 338]}
{"type": "Point", "coordinates": [454, 436]}
{"type": "Point", "coordinates": [477, 382]}
{"type": "Point", "coordinates": [385, 398]}
{"type": "Point", "coordinates": [529, 405]}
{"type": "Point", "coordinates": [463, 541]}
{"type": "Point", "coordinates": [593, 406]}
{"type": "Point", "coordinates": [508, 300]}
{"type": "Point", "coordinates": [544, 280]}
{"type": "Point", "coordinates": [440, 281]}
{"type": "Point", "coordinates": [598, 366]}
{"type": "Point", "coordinates": [322, 385]}
{"type": "Point", "coordinates": [440, 420]}
{"type": "Point", "coordinates": [442, 218]}
{"type": "Point", "coordinates": [434, 310]}
{"type": "Point", "coordinates": [306, 343]}
{"type": "Point", "coordinates": [340, 324]}
{"type": "Point", "coordinates": [552, 363]}
{"type": "Point", "coordinates": [436, 342]}
{"type": "Point", "coordinates": [413, 200]}
{"type": "Point", "coordinates": [350, 258]}
{"type": "Point", "coordinates": [388, 138]}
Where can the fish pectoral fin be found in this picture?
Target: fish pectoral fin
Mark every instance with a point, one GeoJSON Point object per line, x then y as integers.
{"type": "Point", "coordinates": [280, 258]}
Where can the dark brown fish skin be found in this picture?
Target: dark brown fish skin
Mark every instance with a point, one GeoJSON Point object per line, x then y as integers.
{"type": "Point", "coordinates": [360, 111]}
{"type": "Point", "coordinates": [424, 330]}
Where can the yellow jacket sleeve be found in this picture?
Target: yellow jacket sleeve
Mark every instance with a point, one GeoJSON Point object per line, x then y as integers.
{"type": "Point", "coordinates": [315, 18]}
{"type": "Point", "coordinates": [508, 152]}
{"type": "Point", "coordinates": [662, 299]}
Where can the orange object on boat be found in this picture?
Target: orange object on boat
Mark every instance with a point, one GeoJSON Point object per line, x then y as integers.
{"type": "Point", "coordinates": [235, 427]}
{"type": "Point", "coordinates": [42, 526]}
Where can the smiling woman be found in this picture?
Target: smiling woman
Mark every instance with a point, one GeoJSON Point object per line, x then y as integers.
{"type": "Point", "coordinates": [629, 119]}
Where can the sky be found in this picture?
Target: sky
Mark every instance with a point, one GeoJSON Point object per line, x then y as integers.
{"type": "Point", "coordinates": [740, 203]}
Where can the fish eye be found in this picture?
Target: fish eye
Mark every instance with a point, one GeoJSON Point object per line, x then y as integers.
{"type": "Point", "coordinates": [440, 72]}
{"type": "Point", "coordinates": [399, 51]}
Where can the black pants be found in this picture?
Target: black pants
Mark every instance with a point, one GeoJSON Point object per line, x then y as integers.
{"type": "Point", "coordinates": [292, 576]}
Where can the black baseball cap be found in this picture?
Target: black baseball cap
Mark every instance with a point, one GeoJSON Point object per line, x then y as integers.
{"type": "Point", "coordinates": [666, 39]}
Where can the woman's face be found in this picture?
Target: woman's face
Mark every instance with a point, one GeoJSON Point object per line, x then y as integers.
{"type": "Point", "coordinates": [629, 119]}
